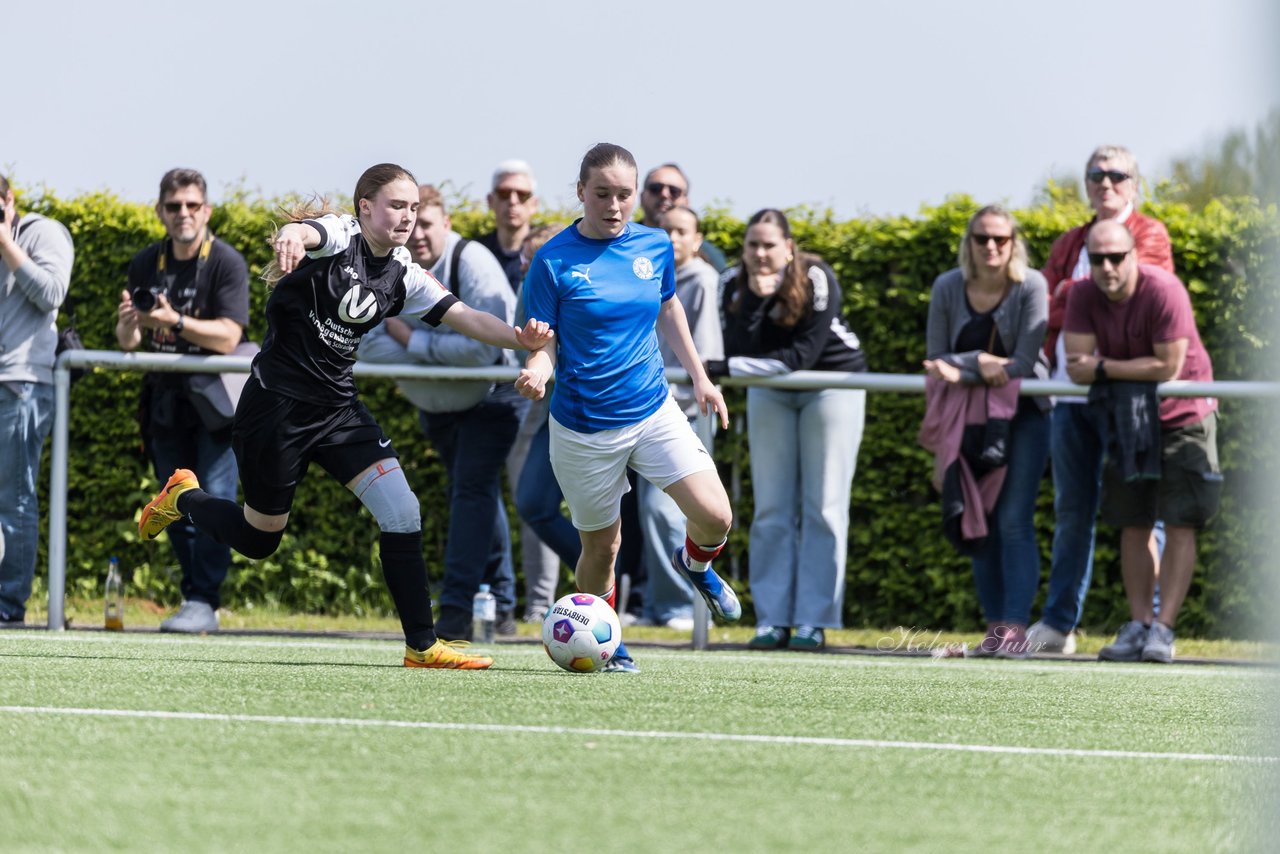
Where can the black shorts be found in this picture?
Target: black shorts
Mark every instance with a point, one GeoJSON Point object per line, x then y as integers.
{"type": "Point", "coordinates": [276, 437]}
{"type": "Point", "coordinates": [1189, 488]}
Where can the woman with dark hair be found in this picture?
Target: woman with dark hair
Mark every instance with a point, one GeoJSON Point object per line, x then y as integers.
{"type": "Point", "coordinates": [986, 327]}
{"type": "Point", "coordinates": [605, 284]}
{"type": "Point", "coordinates": [781, 312]}
{"type": "Point", "coordinates": [334, 279]}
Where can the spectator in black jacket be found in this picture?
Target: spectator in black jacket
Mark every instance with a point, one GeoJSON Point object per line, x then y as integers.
{"type": "Point", "coordinates": [782, 313]}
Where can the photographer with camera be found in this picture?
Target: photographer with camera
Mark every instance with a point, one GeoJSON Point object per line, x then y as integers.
{"type": "Point", "coordinates": [188, 294]}
{"type": "Point", "coordinates": [36, 271]}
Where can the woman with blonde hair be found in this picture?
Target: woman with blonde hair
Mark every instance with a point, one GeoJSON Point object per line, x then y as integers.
{"type": "Point", "coordinates": [986, 326]}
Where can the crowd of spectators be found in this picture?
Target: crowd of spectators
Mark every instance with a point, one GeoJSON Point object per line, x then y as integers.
{"type": "Point", "coordinates": [1106, 311]}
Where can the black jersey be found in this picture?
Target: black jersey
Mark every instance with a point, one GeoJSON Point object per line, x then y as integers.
{"type": "Point", "coordinates": [317, 314]}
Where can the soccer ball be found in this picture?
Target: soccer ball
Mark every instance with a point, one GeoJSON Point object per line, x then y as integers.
{"type": "Point", "coordinates": [581, 632]}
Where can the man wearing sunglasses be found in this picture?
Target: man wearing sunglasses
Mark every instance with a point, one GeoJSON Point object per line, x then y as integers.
{"type": "Point", "coordinates": [513, 200]}
{"type": "Point", "coordinates": [1111, 183]}
{"type": "Point", "coordinates": [36, 255]}
{"type": "Point", "coordinates": [663, 188]}
{"type": "Point", "coordinates": [188, 294]}
{"type": "Point", "coordinates": [1131, 323]}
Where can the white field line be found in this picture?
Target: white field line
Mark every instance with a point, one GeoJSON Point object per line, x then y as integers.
{"type": "Point", "coordinates": [501, 651]}
{"type": "Point", "coordinates": [287, 720]}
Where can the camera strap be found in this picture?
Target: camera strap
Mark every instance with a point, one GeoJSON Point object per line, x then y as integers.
{"type": "Point", "coordinates": [162, 258]}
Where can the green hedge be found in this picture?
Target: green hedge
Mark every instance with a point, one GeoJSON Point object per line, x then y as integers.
{"type": "Point", "coordinates": [901, 571]}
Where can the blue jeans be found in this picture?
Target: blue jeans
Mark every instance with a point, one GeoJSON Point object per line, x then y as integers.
{"type": "Point", "coordinates": [538, 500]}
{"type": "Point", "coordinates": [26, 417]}
{"type": "Point", "coordinates": [204, 560]}
{"type": "Point", "coordinates": [1078, 449]}
{"type": "Point", "coordinates": [1007, 570]}
{"type": "Point", "coordinates": [473, 446]}
{"type": "Point", "coordinates": [804, 451]}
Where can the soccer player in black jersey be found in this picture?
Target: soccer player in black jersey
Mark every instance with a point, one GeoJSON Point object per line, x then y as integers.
{"type": "Point", "coordinates": [335, 278]}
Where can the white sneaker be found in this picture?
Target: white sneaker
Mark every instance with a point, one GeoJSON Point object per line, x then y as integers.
{"type": "Point", "coordinates": [680, 624]}
{"type": "Point", "coordinates": [1042, 637]}
{"type": "Point", "coordinates": [193, 618]}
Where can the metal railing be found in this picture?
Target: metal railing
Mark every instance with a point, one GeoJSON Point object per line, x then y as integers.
{"type": "Point", "coordinates": [798, 380]}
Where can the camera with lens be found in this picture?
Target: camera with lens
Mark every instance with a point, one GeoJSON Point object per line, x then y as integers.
{"type": "Point", "coordinates": [144, 299]}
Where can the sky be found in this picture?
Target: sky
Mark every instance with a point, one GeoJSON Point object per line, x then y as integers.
{"type": "Point", "coordinates": [862, 107]}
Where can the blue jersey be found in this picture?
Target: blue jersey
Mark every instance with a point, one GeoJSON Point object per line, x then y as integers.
{"type": "Point", "coordinates": [602, 299]}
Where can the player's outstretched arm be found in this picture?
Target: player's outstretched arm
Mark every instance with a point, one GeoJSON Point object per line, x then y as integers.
{"type": "Point", "coordinates": [483, 326]}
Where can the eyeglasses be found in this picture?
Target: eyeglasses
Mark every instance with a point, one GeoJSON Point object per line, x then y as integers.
{"type": "Point", "coordinates": [178, 207]}
{"type": "Point", "coordinates": [522, 195]}
{"type": "Point", "coordinates": [1116, 258]}
{"type": "Point", "coordinates": [656, 187]}
{"type": "Point", "coordinates": [1096, 176]}
{"type": "Point", "coordinates": [984, 239]}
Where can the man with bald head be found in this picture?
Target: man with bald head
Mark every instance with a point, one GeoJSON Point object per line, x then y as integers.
{"type": "Point", "coordinates": [1131, 324]}
{"type": "Point", "coordinates": [1111, 180]}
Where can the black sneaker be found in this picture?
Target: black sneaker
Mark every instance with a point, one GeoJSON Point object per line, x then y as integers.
{"type": "Point", "coordinates": [505, 627]}
{"type": "Point", "coordinates": [454, 624]}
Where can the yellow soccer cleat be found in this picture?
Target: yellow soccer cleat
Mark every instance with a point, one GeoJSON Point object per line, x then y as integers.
{"type": "Point", "coordinates": [446, 655]}
{"type": "Point", "coordinates": [163, 509]}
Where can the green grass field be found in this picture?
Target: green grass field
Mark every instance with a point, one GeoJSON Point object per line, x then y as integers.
{"type": "Point", "coordinates": [145, 742]}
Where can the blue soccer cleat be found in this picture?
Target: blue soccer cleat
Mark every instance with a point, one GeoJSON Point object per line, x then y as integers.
{"type": "Point", "coordinates": [719, 596]}
{"type": "Point", "coordinates": [622, 662]}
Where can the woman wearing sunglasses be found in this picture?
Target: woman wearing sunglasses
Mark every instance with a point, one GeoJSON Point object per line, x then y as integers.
{"type": "Point", "coordinates": [986, 327]}
{"type": "Point", "coordinates": [782, 313]}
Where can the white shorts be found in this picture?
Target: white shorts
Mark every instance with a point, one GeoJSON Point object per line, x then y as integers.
{"type": "Point", "coordinates": [592, 467]}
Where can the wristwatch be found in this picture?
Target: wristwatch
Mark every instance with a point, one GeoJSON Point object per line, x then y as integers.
{"type": "Point", "coordinates": [182, 322]}
{"type": "Point", "coordinates": [1100, 372]}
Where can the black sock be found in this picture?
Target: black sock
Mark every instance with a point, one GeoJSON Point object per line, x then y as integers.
{"type": "Point", "coordinates": [223, 520]}
{"type": "Point", "coordinates": [406, 575]}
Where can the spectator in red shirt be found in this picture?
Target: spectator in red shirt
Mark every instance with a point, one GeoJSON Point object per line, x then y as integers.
{"type": "Point", "coordinates": [1135, 324]}
{"type": "Point", "coordinates": [1111, 181]}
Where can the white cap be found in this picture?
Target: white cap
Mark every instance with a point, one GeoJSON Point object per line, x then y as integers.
{"type": "Point", "coordinates": [514, 167]}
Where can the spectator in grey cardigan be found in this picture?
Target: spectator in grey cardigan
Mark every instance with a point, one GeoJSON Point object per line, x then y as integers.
{"type": "Point", "coordinates": [37, 255]}
{"type": "Point", "coordinates": [987, 325]}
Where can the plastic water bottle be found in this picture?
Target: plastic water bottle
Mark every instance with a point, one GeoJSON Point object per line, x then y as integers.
{"type": "Point", "coordinates": [484, 614]}
{"type": "Point", "coordinates": [113, 609]}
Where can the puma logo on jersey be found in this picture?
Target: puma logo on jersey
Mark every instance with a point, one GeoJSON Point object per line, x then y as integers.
{"type": "Point", "coordinates": [585, 275]}
{"type": "Point", "coordinates": [353, 309]}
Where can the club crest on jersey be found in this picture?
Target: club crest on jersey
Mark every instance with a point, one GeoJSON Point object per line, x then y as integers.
{"type": "Point", "coordinates": [643, 268]}
{"type": "Point", "coordinates": [353, 309]}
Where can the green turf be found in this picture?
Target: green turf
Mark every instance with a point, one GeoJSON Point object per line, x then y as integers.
{"type": "Point", "coordinates": [141, 613]}
{"type": "Point", "coordinates": [678, 772]}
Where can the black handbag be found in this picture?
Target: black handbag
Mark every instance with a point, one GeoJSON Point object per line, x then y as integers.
{"type": "Point", "coordinates": [215, 396]}
{"type": "Point", "coordinates": [69, 338]}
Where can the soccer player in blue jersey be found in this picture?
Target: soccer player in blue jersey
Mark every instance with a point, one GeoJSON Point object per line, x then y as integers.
{"type": "Point", "coordinates": [335, 278]}
{"type": "Point", "coordinates": [604, 285]}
